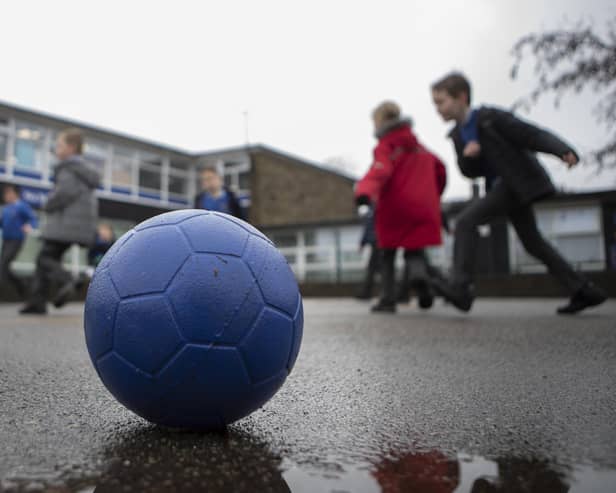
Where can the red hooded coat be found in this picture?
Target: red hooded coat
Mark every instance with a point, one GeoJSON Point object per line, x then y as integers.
{"type": "Point", "coordinates": [405, 182]}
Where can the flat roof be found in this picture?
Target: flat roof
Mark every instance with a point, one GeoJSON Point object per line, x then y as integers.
{"type": "Point", "coordinates": [272, 150]}
{"type": "Point", "coordinates": [70, 122]}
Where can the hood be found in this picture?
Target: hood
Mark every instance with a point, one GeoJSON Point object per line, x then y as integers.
{"type": "Point", "coordinates": [391, 125]}
{"type": "Point", "coordinates": [83, 170]}
{"type": "Point", "coordinates": [400, 135]}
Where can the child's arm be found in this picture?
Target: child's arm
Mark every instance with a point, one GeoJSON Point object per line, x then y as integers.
{"type": "Point", "coordinates": [64, 193]}
{"type": "Point", "coordinates": [528, 136]}
{"type": "Point", "coordinates": [28, 215]}
{"type": "Point", "coordinates": [469, 166]}
{"type": "Point", "coordinates": [377, 176]}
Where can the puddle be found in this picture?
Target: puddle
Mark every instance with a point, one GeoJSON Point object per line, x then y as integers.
{"type": "Point", "coordinates": [156, 461]}
{"type": "Point", "coordinates": [433, 472]}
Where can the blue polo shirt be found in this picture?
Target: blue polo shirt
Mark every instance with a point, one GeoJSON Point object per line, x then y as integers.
{"type": "Point", "coordinates": [218, 204]}
{"type": "Point", "coordinates": [469, 131]}
{"type": "Point", "coordinates": [13, 218]}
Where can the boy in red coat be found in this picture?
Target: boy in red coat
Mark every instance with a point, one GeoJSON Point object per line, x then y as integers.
{"type": "Point", "coordinates": [405, 182]}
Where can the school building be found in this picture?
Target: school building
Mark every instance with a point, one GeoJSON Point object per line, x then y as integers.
{"type": "Point", "coordinates": [306, 208]}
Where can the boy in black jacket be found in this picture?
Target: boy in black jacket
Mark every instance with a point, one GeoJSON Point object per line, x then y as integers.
{"type": "Point", "coordinates": [494, 144]}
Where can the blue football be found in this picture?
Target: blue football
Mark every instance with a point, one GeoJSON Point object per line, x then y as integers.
{"type": "Point", "coordinates": [193, 319]}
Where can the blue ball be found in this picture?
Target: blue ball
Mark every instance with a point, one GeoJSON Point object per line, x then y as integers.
{"type": "Point", "coordinates": [193, 319]}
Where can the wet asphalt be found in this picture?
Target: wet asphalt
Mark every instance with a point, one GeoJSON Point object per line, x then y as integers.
{"type": "Point", "coordinates": [509, 398]}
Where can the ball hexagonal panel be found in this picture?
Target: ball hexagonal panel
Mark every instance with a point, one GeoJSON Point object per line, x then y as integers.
{"type": "Point", "coordinates": [146, 334]}
{"type": "Point", "coordinates": [115, 248]}
{"type": "Point", "coordinates": [273, 274]}
{"type": "Point", "coordinates": [169, 218]}
{"type": "Point", "coordinates": [99, 320]}
{"type": "Point", "coordinates": [229, 239]}
{"type": "Point", "coordinates": [138, 391]}
{"type": "Point", "coordinates": [214, 379]}
{"type": "Point", "coordinates": [267, 346]}
{"type": "Point", "coordinates": [148, 260]}
{"type": "Point", "coordinates": [215, 298]}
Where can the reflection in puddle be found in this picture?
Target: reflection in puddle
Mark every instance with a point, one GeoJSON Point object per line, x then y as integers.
{"type": "Point", "coordinates": [434, 472]}
{"type": "Point", "coordinates": [151, 459]}
{"type": "Point", "coordinates": [154, 460]}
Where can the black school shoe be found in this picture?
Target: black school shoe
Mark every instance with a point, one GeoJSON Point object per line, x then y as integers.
{"type": "Point", "coordinates": [459, 295]}
{"type": "Point", "coordinates": [585, 297]}
{"type": "Point", "coordinates": [384, 307]}
{"type": "Point", "coordinates": [363, 296]}
{"type": "Point", "coordinates": [404, 296]}
{"type": "Point", "coordinates": [64, 294]}
{"type": "Point", "coordinates": [425, 296]}
{"type": "Point", "coordinates": [33, 309]}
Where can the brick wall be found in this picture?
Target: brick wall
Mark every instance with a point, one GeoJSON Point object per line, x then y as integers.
{"type": "Point", "coordinates": [285, 191]}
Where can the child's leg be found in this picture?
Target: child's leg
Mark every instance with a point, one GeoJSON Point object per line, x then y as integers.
{"type": "Point", "coordinates": [404, 288]}
{"type": "Point", "coordinates": [388, 296]}
{"type": "Point", "coordinates": [374, 265]}
{"type": "Point", "coordinates": [10, 250]}
{"type": "Point", "coordinates": [373, 268]}
{"type": "Point", "coordinates": [417, 265]}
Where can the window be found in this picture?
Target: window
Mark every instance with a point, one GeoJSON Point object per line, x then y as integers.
{"type": "Point", "coordinates": [29, 145]}
{"type": "Point", "coordinates": [153, 161]}
{"type": "Point", "coordinates": [4, 138]}
{"type": "Point", "coordinates": [244, 180]}
{"type": "Point", "coordinates": [150, 172]}
{"type": "Point", "coordinates": [122, 168]}
{"type": "Point", "coordinates": [178, 179]}
{"type": "Point", "coordinates": [179, 164]}
{"type": "Point", "coordinates": [95, 152]}
{"type": "Point", "coordinates": [51, 151]}
{"type": "Point", "coordinates": [575, 231]}
{"type": "Point", "coordinates": [284, 240]}
{"type": "Point", "coordinates": [149, 179]}
{"type": "Point", "coordinates": [3, 145]}
{"type": "Point", "coordinates": [237, 176]}
{"type": "Point", "coordinates": [178, 184]}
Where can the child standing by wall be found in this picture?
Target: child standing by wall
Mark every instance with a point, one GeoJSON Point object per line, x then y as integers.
{"type": "Point", "coordinates": [17, 220]}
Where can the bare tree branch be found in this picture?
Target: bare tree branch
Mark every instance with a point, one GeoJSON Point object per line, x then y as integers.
{"type": "Point", "coordinates": [569, 61]}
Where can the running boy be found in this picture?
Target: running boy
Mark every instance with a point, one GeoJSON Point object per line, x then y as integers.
{"type": "Point", "coordinates": [494, 144]}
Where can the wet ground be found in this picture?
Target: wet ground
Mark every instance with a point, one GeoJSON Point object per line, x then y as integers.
{"type": "Point", "coordinates": [510, 398]}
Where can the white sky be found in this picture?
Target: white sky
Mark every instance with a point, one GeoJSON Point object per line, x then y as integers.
{"type": "Point", "coordinates": [308, 73]}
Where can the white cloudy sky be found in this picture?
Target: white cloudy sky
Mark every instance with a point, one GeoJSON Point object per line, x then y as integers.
{"type": "Point", "coordinates": [308, 73]}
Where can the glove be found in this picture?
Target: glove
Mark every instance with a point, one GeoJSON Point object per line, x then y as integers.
{"type": "Point", "coordinates": [362, 200]}
{"type": "Point", "coordinates": [364, 210]}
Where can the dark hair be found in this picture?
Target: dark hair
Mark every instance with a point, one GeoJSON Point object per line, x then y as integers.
{"type": "Point", "coordinates": [212, 169]}
{"type": "Point", "coordinates": [73, 137]}
{"type": "Point", "coordinates": [454, 84]}
{"type": "Point", "coordinates": [11, 186]}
